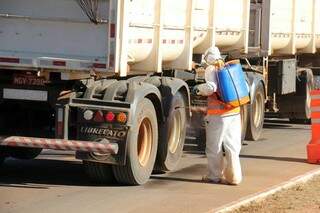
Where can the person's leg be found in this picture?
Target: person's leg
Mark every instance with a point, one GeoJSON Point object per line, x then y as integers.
{"type": "Point", "coordinates": [214, 134]}
{"type": "Point", "coordinates": [232, 145]}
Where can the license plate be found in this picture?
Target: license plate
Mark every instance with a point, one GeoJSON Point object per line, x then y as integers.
{"type": "Point", "coordinates": [30, 80]}
{"type": "Point", "coordinates": [21, 94]}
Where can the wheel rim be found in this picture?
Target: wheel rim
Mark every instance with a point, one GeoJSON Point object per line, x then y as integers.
{"type": "Point", "coordinates": [258, 110]}
{"type": "Point", "coordinates": [145, 142]}
{"type": "Point", "coordinates": [175, 132]}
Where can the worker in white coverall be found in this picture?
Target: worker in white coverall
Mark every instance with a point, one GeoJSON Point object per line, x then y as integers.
{"type": "Point", "coordinates": [223, 128]}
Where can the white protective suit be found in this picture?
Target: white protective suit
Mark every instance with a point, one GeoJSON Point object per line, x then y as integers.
{"type": "Point", "coordinates": [221, 130]}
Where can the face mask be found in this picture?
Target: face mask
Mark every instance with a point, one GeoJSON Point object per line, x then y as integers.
{"type": "Point", "coordinates": [212, 55]}
{"type": "Point", "coordinates": [211, 59]}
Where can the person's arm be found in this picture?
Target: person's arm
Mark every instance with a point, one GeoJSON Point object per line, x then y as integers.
{"type": "Point", "coordinates": [210, 86]}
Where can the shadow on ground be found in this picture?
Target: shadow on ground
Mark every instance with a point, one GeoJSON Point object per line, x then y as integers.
{"type": "Point", "coordinates": [43, 174]}
{"type": "Point", "coordinates": [34, 173]}
{"type": "Point", "coordinates": [288, 159]}
{"type": "Point", "coordinates": [183, 175]}
{"type": "Point", "coordinates": [283, 126]}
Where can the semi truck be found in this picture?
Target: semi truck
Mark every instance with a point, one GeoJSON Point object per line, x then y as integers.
{"type": "Point", "coordinates": [111, 79]}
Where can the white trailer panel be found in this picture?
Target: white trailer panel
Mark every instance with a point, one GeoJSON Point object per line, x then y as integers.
{"type": "Point", "coordinates": [147, 35]}
{"type": "Point", "coordinates": [184, 28]}
{"type": "Point", "coordinates": [294, 26]}
{"type": "Point", "coordinates": [38, 30]}
{"type": "Point", "coordinates": [150, 33]}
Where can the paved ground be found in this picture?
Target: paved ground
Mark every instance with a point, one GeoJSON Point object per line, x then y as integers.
{"type": "Point", "coordinates": [55, 183]}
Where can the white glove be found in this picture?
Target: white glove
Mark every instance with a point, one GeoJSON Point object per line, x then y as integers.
{"type": "Point", "coordinates": [204, 89]}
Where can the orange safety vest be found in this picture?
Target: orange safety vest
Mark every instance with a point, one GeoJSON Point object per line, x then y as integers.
{"type": "Point", "coordinates": [217, 107]}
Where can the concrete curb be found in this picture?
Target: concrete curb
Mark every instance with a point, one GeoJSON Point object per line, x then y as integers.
{"type": "Point", "coordinates": [264, 194]}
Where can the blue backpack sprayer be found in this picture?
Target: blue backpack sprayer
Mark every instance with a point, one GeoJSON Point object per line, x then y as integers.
{"type": "Point", "coordinates": [233, 88]}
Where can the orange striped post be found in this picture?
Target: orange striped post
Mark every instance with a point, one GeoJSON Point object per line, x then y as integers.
{"type": "Point", "coordinates": [313, 148]}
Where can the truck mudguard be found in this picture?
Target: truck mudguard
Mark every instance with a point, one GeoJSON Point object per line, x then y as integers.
{"type": "Point", "coordinates": [176, 85]}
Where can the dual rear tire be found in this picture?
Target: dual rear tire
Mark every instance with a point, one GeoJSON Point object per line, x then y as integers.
{"type": "Point", "coordinates": [173, 135]}
{"type": "Point", "coordinates": [302, 108]}
{"type": "Point", "coordinates": [142, 147]}
{"type": "Point", "coordinates": [141, 151]}
{"type": "Point", "coordinates": [147, 150]}
{"type": "Point", "coordinates": [300, 111]}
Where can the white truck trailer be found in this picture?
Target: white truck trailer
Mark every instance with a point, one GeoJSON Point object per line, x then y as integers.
{"type": "Point", "coordinates": [110, 79]}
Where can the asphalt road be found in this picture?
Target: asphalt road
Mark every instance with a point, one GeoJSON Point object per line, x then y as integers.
{"type": "Point", "coordinates": [57, 183]}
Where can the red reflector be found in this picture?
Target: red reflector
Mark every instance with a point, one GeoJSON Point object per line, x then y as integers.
{"type": "Point", "coordinates": [98, 117]}
{"type": "Point", "coordinates": [59, 63]}
{"type": "Point", "coordinates": [10, 60]}
{"type": "Point", "coordinates": [101, 66]}
{"type": "Point", "coordinates": [110, 116]}
{"type": "Point", "coordinates": [122, 117]}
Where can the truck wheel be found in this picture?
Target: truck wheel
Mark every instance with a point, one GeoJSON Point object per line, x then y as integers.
{"type": "Point", "coordinates": [173, 135]}
{"type": "Point", "coordinates": [24, 153]}
{"type": "Point", "coordinates": [302, 108]}
{"type": "Point", "coordinates": [142, 146]}
{"type": "Point", "coordinates": [244, 121]}
{"type": "Point", "coordinates": [256, 115]}
{"type": "Point", "coordinates": [99, 172]}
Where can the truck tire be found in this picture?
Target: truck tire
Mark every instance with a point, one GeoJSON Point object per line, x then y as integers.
{"type": "Point", "coordinates": [173, 135]}
{"type": "Point", "coordinates": [24, 153]}
{"type": "Point", "coordinates": [256, 115]}
{"type": "Point", "coordinates": [142, 146]}
{"type": "Point", "coordinates": [244, 121]}
{"type": "Point", "coordinates": [99, 172]}
{"type": "Point", "coordinates": [302, 108]}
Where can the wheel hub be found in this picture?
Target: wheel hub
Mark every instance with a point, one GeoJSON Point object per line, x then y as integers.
{"type": "Point", "coordinates": [175, 132]}
{"type": "Point", "coordinates": [144, 142]}
{"type": "Point", "coordinates": [257, 109]}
